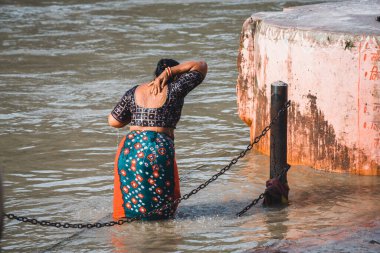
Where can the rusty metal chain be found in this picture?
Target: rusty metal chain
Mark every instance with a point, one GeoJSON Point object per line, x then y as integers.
{"type": "Point", "coordinates": [165, 206]}
{"type": "Point", "coordinates": [254, 202]}
{"type": "Point", "coordinates": [262, 195]}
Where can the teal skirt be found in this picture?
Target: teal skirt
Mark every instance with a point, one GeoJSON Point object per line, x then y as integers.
{"type": "Point", "coordinates": [145, 175]}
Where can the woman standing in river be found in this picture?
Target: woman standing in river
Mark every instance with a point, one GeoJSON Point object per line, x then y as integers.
{"type": "Point", "coordinates": [146, 174]}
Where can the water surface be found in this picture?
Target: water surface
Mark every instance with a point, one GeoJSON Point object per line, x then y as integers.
{"type": "Point", "coordinates": [64, 65]}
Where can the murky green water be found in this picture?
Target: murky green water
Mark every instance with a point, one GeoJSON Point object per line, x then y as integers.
{"type": "Point", "coordinates": [63, 66]}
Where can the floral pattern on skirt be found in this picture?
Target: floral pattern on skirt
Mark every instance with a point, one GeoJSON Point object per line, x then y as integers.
{"type": "Point", "coordinates": [144, 175]}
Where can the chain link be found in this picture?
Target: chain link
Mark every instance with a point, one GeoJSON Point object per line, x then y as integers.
{"type": "Point", "coordinates": [167, 205]}
{"type": "Point", "coordinates": [254, 202]}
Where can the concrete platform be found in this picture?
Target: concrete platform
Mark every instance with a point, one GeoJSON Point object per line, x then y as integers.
{"type": "Point", "coordinates": [329, 55]}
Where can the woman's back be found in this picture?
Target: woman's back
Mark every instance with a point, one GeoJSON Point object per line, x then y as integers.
{"type": "Point", "coordinates": [142, 107]}
{"type": "Point", "coordinates": [145, 98]}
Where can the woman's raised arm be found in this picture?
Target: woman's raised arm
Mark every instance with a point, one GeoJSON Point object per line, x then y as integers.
{"type": "Point", "coordinates": [200, 66]}
{"type": "Point", "coordinates": [159, 83]}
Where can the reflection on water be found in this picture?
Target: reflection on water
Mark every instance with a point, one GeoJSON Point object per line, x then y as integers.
{"type": "Point", "coordinates": [63, 66]}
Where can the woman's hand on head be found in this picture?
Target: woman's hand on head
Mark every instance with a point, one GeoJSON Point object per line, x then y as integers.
{"type": "Point", "coordinates": [158, 83]}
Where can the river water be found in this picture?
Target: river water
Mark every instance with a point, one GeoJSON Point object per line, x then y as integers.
{"type": "Point", "coordinates": [64, 65]}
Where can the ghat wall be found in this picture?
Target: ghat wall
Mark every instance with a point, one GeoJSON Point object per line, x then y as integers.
{"type": "Point", "coordinates": [332, 68]}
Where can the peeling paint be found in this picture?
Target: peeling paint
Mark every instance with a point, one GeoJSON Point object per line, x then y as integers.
{"type": "Point", "coordinates": [334, 83]}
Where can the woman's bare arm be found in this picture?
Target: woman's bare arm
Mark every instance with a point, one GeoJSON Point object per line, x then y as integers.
{"type": "Point", "coordinates": [200, 66]}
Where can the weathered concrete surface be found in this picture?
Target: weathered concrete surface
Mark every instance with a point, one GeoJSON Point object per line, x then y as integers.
{"type": "Point", "coordinates": [329, 55]}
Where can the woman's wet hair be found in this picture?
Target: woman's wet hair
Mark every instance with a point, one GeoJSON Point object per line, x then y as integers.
{"type": "Point", "coordinates": [163, 64]}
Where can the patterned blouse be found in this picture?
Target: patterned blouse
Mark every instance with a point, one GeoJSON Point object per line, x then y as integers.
{"type": "Point", "coordinates": [168, 114]}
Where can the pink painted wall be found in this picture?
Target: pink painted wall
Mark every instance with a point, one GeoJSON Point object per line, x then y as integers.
{"type": "Point", "coordinates": [334, 85]}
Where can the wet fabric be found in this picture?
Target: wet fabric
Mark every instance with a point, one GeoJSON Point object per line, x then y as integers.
{"type": "Point", "coordinates": [146, 175]}
{"type": "Point", "coordinates": [168, 114]}
{"type": "Point", "coordinates": [276, 192]}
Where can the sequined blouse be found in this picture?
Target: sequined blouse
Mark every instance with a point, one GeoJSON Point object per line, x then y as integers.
{"type": "Point", "coordinates": [168, 114]}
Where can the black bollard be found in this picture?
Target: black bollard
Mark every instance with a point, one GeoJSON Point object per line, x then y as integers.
{"type": "Point", "coordinates": [278, 132]}
{"type": "Point", "coordinates": [277, 190]}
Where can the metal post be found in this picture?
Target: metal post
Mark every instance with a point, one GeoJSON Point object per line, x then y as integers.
{"type": "Point", "coordinates": [278, 137]}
